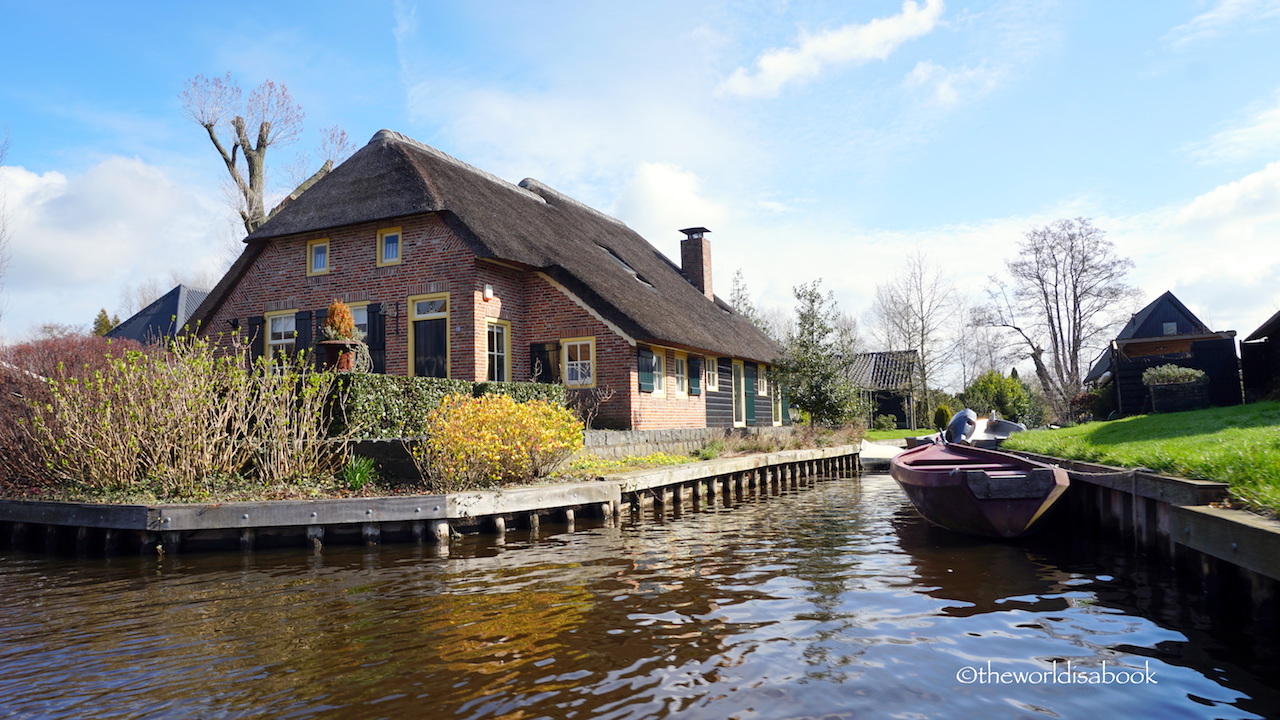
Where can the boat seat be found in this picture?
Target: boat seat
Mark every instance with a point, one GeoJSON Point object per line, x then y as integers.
{"type": "Point", "coordinates": [1010, 484]}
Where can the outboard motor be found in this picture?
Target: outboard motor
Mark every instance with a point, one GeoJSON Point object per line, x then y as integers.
{"type": "Point", "coordinates": [961, 427]}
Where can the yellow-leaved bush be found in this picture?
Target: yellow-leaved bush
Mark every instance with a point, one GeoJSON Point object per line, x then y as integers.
{"type": "Point", "coordinates": [475, 442]}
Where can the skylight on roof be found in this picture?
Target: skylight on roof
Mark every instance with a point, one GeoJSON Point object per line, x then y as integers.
{"type": "Point", "coordinates": [623, 264]}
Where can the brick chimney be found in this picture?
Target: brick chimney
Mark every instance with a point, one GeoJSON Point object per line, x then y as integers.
{"type": "Point", "coordinates": [695, 259]}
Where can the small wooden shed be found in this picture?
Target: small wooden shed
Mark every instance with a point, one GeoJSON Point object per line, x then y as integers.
{"type": "Point", "coordinates": [1260, 360]}
{"type": "Point", "coordinates": [1166, 332]}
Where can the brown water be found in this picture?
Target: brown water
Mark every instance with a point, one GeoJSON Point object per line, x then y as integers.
{"type": "Point", "coordinates": [832, 602]}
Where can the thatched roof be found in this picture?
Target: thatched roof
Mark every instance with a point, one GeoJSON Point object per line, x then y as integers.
{"type": "Point", "coordinates": [598, 258]}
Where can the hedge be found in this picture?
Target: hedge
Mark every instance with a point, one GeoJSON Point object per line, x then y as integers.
{"type": "Point", "coordinates": [392, 406]}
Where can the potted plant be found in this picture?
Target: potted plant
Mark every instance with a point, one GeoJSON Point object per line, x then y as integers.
{"type": "Point", "coordinates": [342, 339]}
{"type": "Point", "coordinates": [1175, 388]}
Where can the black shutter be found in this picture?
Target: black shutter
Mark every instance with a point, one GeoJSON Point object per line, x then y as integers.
{"type": "Point", "coordinates": [256, 337]}
{"type": "Point", "coordinates": [376, 338]}
{"type": "Point", "coordinates": [695, 376]}
{"type": "Point", "coordinates": [786, 405]}
{"type": "Point", "coordinates": [302, 332]}
{"type": "Point", "coordinates": [318, 357]}
{"type": "Point", "coordinates": [544, 362]}
{"type": "Point", "coordinates": [645, 364]}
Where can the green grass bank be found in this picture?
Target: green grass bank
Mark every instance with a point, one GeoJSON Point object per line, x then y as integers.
{"type": "Point", "coordinates": [1236, 445]}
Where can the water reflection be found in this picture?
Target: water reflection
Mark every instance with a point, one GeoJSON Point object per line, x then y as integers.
{"type": "Point", "coordinates": [831, 602]}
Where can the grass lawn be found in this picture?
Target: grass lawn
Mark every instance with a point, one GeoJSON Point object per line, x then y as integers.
{"type": "Point", "coordinates": [897, 434]}
{"type": "Point", "coordinates": [1236, 445]}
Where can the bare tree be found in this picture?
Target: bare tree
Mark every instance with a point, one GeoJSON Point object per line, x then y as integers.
{"type": "Point", "coordinates": [1065, 291]}
{"type": "Point", "coordinates": [268, 118]}
{"type": "Point", "coordinates": [135, 296]}
{"type": "Point", "coordinates": [981, 347]}
{"type": "Point", "coordinates": [918, 310]}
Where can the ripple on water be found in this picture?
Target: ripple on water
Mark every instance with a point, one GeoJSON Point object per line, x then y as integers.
{"type": "Point", "coordinates": [831, 602]}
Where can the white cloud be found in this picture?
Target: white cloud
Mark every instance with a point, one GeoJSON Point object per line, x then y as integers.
{"type": "Point", "coordinates": [851, 44]}
{"type": "Point", "coordinates": [1225, 16]}
{"type": "Point", "coordinates": [660, 199]}
{"type": "Point", "coordinates": [1257, 136]}
{"type": "Point", "coordinates": [76, 241]}
{"type": "Point", "coordinates": [945, 86]}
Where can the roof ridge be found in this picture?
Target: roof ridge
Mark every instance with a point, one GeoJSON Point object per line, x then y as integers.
{"type": "Point", "coordinates": [542, 189]}
{"type": "Point", "coordinates": [439, 154]}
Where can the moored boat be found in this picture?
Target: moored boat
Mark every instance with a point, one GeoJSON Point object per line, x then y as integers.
{"type": "Point", "coordinates": [976, 490]}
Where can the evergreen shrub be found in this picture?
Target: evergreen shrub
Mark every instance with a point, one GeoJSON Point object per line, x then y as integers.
{"type": "Point", "coordinates": [1171, 374]}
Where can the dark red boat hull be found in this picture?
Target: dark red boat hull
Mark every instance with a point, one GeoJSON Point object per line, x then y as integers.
{"type": "Point", "coordinates": [978, 491]}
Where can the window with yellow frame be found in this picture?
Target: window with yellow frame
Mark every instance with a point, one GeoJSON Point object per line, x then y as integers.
{"type": "Point", "coordinates": [390, 246]}
{"type": "Point", "coordinates": [318, 260]}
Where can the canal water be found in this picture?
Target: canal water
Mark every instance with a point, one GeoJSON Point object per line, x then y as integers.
{"type": "Point", "coordinates": [835, 601]}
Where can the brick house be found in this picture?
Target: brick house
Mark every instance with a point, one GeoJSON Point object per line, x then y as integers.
{"type": "Point", "coordinates": [452, 272]}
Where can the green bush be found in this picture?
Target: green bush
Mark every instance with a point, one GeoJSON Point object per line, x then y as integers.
{"type": "Point", "coordinates": [392, 406]}
{"type": "Point", "coordinates": [553, 393]}
{"type": "Point", "coordinates": [1170, 374]}
{"type": "Point", "coordinates": [941, 417]}
{"type": "Point", "coordinates": [388, 406]}
{"type": "Point", "coordinates": [885, 422]}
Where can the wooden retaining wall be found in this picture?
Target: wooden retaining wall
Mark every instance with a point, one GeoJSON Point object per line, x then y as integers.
{"type": "Point", "coordinates": [1231, 558]}
{"type": "Point", "coordinates": [97, 529]}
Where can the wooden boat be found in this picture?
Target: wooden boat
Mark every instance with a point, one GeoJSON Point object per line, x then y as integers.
{"type": "Point", "coordinates": [975, 490]}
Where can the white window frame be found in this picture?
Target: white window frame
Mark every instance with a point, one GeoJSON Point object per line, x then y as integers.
{"type": "Point", "coordinates": [571, 368]}
{"type": "Point", "coordinates": [762, 380]}
{"type": "Point", "coordinates": [360, 310]}
{"type": "Point", "coordinates": [711, 373]}
{"type": "Point", "coordinates": [680, 372]}
{"type": "Point", "coordinates": [659, 371]}
{"type": "Point", "coordinates": [289, 336]}
{"type": "Point", "coordinates": [504, 354]}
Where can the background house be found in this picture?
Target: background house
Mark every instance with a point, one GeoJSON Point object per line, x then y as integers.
{"type": "Point", "coordinates": [163, 318]}
{"type": "Point", "coordinates": [1166, 332]}
{"type": "Point", "coordinates": [1260, 360]}
{"type": "Point", "coordinates": [453, 272]}
{"type": "Point", "coordinates": [886, 380]}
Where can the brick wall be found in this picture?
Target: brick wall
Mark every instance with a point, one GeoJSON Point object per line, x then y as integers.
{"type": "Point", "coordinates": [434, 260]}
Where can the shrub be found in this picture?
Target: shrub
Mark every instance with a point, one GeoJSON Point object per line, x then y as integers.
{"type": "Point", "coordinates": [1007, 396]}
{"type": "Point", "coordinates": [386, 406]}
{"type": "Point", "coordinates": [24, 372]}
{"type": "Point", "coordinates": [523, 391]}
{"type": "Point", "coordinates": [885, 422]}
{"type": "Point", "coordinates": [491, 440]}
{"type": "Point", "coordinates": [1170, 374]}
{"type": "Point", "coordinates": [174, 425]}
{"type": "Point", "coordinates": [941, 417]}
{"type": "Point", "coordinates": [338, 323]}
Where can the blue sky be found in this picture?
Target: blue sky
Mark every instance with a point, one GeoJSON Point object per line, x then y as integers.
{"type": "Point", "coordinates": [816, 140]}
